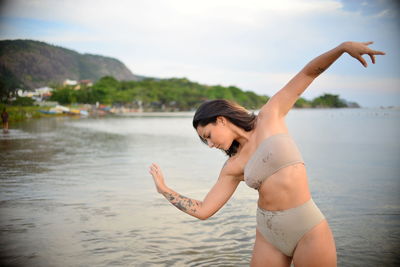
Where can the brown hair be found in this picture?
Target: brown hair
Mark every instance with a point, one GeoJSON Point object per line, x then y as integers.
{"type": "Point", "coordinates": [238, 115]}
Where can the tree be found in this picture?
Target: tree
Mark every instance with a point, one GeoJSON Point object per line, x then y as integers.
{"type": "Point", "coordinates": [64, 96]}
{"type": "Point", "coordinates": [302, 103]}
{"type": "Point", "coordinates": [328, 100]}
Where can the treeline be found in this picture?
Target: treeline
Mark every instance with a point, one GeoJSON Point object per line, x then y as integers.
{"type": "Point", "coordinates": [166, 94]}
{"type": "Point", "coordinates": [325, 101]}
{"type": "Point", "coordinates": [176, 94]}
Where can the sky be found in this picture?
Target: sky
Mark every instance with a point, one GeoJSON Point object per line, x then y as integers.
{"type": "Point", "coordinates": [256, 45]}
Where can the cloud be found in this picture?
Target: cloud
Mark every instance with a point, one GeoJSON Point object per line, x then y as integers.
{"type": "Point", "coordinates": [135, 11]}
{"type": "Point", "coordinates": [387, 13]}
{"type": "Point", "coordinates": [256, 45]}
{"type": "Point", "coordinates": [177, 19]}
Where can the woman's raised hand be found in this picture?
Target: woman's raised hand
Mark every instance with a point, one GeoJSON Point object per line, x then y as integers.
{"type": "Point", "coordinates": [158, 177]}
{"type": "Point", "coordinates": [356, 50]}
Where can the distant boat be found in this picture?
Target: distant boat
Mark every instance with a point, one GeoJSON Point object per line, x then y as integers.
{"type": "Point", "coordinates": [59, 109]}
{"type": "Point", "coordinates": [48, 111]}
{"type": "Point", "coordinates": [78, 112]}
{"type": "Point", "coordinates": [74, 112]}
{"type": "Point", "coordinates": [84, 113]}
{"type": "Point", "coordinates": [64, 110]}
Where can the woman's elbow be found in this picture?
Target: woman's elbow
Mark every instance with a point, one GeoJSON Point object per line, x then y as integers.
{"type": "Point", "coordinates": [204, 215]}
{"type": "Point", "coordinates": [202, 218]}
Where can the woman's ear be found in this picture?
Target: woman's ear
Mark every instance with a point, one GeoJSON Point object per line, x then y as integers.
{"type": "Point", "coordinates": [221, 120]}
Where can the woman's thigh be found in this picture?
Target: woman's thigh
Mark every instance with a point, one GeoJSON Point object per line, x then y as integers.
{"type": "Point", "coordinates": [316, 248]}
{"type": "Point", "coordinates": [265, 254]}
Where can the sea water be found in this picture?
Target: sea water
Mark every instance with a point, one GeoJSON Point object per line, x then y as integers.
{"type": "Point", "coordinates": [77, 192]}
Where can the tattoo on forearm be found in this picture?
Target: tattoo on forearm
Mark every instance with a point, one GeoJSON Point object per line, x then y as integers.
{"type": "Point", "coordinates": [183, 203]}
{"type": "Point", "coordinates": [319, 70]}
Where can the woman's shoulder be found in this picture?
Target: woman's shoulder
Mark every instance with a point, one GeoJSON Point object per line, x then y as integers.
{"type": "Point", "coordinates": [233, 167]}
{"type": "Point", "coordinates": [268, 124]}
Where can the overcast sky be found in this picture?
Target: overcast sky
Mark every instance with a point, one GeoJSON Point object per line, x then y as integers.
{"type": "Point", "coordinates": [257, 45]}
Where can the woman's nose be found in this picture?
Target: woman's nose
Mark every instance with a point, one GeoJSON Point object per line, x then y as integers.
{"type": "Point", "coordinates": [210, 144]}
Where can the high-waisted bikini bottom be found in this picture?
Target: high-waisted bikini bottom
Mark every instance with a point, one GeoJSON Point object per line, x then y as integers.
{"type": "Point", "coordinates": [285, 228]}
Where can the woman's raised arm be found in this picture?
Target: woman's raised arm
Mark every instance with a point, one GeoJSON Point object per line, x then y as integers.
{"type": "Point", "coordinates": [283, 100]}
{"type": "Point", "coordinates": [215, 199]}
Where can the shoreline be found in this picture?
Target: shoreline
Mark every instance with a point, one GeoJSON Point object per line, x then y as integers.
{"type": "Point", "coordinates": [23, 113]}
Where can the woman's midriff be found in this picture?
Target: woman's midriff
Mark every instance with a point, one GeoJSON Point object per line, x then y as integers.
{"type": "Point", "coordinates": [285, 189]}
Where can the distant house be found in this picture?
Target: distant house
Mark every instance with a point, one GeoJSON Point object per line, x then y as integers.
{"type": "Point", "coordinates": [85, 83]}
{"type": "Point", "coordinates": [38, 94]}
{"type": "Point", "coordinates": [44, 92]}
{"type": "Point", "coordinates": [88, 83]}
{"type": "Point", "coordinates": [22, 93]}
{"type": "Point", "coordinates": [70, 82]}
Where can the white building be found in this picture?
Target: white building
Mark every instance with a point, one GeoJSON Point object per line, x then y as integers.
{"type": "Point", "coordinates": [44, 91]}
{"type": "Point", "coordinates": [38, 94]}
{"type": "Point", "coordinates": [70, 82]}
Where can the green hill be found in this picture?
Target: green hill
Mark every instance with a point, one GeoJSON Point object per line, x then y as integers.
{"type": "Point", "coordinates": [31, 64]}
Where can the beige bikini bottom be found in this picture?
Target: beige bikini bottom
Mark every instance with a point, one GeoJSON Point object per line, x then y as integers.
{"type": "Point", "coordinates": [284, 229]}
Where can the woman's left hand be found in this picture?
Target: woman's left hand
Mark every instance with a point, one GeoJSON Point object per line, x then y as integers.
{"type": "Point", "coordinates": [356, 50]}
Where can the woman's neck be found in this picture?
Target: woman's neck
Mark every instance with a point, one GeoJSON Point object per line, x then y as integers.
{"type": "Point", "coordinates": [242, 137]}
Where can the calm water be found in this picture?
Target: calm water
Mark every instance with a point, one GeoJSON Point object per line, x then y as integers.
{"type": "Point", "coordinates": [76, 192]}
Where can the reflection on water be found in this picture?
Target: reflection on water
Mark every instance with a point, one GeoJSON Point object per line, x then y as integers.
{"type": "Point", "coordinates": [77, 192]}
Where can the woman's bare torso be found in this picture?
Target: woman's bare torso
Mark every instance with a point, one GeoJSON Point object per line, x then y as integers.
{"type": "Point", "coordinates": [286, 188]}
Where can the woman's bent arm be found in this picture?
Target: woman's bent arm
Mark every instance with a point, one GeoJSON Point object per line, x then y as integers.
{"type": "Point", "coordinates": [215, 199]}
{"type": "Point", "coordinates": [283, 101]}
{"type": "Point", "coordinates": [185, 204]}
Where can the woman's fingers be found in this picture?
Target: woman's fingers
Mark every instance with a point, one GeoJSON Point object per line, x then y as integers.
{"type": "Point", "coordinates": [153, 167]}
{"type": "Point", "coordinates": [362, 61]}
{"type": "Point", "coordinates": [158, 177]}
{"type": "Point", "coordinates": [362, 49]}
{"type": "Point", "coordinates": [378, 52]}
{"type": "Point", "coordinates": [373, 53]}
{"type": "Point", "coordinates": [155, 170]}
{"type": "Point", "coordinates": [372, 58]}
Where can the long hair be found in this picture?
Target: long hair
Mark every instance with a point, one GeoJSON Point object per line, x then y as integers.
{"type": "Point", "coordinates": [236, 114]}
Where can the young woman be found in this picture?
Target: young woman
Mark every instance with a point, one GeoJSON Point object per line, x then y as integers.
{"type": "Point", "coordinates": [290, 227]}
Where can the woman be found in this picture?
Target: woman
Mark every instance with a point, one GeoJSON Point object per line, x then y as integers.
{"type": "Point", "coordinates": [290, 227]}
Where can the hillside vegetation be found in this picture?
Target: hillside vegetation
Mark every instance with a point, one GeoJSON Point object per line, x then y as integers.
{"type": "Point", "coordinates": [167, 94]}
{"type": "Point", "coordinates": [28, 64]}
{"type": "Point", "coordinates": [173, 95]}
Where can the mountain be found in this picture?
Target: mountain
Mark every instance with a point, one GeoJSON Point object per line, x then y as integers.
{"type": "Point", "coordinates": [32, 64]}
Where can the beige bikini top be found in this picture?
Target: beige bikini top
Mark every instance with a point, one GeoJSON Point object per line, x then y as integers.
{"type": "Point", "coordinates": [274, 153]}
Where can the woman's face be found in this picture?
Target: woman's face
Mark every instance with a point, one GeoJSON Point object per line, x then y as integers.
{"type": "Point", "coordinates": [217, 134]}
